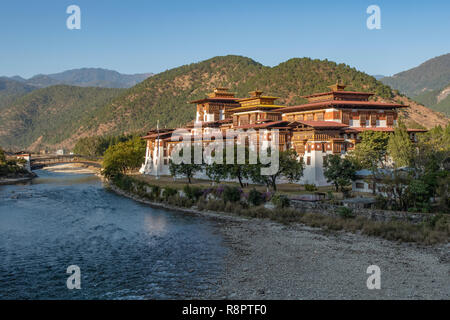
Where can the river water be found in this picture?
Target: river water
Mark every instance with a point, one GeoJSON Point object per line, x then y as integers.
{"type": "Point", "coordinates": [125, 250]}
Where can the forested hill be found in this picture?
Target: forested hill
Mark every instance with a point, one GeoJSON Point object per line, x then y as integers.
{"type": "Point", "coordinates": [12, 89]}
{"type": "Point", "coordinates": [166, 97]}
{"type": "Point", "coordinates": [438, 100]}
{"type": "Point", "coordinates": [433, 74]}
{"type": "Point", "coordinates": [48, 116]}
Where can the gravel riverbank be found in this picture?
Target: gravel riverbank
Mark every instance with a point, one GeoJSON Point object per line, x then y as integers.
{"type": "Point", "coordinates": [272, 261]}
{"type": "Point", "coordinates": [269, 260]}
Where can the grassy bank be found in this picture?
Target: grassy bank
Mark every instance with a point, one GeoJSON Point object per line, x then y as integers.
{"type": "Point", "coordinates": [179, 184]}
{"type": "Point", "coordinates": [434, 230]}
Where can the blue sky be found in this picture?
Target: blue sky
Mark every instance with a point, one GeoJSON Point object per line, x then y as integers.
{"type": "Point", "coordinates": [137, 36]}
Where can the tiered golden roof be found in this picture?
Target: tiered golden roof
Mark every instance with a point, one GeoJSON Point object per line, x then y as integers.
{"type": "Point", "coordinates": [221, 93]}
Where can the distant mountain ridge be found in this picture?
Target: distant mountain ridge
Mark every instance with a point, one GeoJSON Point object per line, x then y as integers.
{"type": "Point", "coordinates": [56, 117]}
{"type": "Point", "coordinates": [85, 77]}
{"type": "Point", "coordinates": [378, 76]}
{"type": "Point", "coordinates": [433, 74]}
{"type": "Point", "coordinates": [12, 88]}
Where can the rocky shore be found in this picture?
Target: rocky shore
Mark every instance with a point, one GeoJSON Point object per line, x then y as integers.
{"type": "Point", "coordinates": [273, 261]}
{"type": "Point", "coordinates": [17, 179]}
{"type": "Point", "coordinates": [268, 260]}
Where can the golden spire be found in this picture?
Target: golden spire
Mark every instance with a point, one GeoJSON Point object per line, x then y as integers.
{"type": "Point", "coordinates": [256, 93]}
{"type": "Point", "coordinates": [337, 86]}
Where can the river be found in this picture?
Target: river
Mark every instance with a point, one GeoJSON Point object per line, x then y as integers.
{"type": "Point", "coordinates": [125, 250]}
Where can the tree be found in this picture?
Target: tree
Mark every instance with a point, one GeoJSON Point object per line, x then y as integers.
{"type": "Point", "coordinates": [400, 147]}
{"type": "Point", "coordinates": [427, 178]}
{"type": "Point", "coordinates": [395, 186]}
{"type": "Point", "coordinates": [187, 169]}
{"type": "Point", "coordinates": [216, 172]}
{"type": "Point", "coordinates": [340, 171]}
{"type": "Point", "coordinates": [2, 156]}
{"type": "Point", "coordinates": [97, 145]}
{"type": "Point", "coordinates": [124, 156]}
{"type": "Point", "coordinates": [289, 167]}
{"type": "Point", "coordinates": [237, 170]}
{"type": "Point", "coordinates": [370, 153]}
{"type": "Point", "coordinates": [371, 150]}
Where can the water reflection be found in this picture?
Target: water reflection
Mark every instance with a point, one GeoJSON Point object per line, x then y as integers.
{"type": "Point", "coordinates": [156, 225]}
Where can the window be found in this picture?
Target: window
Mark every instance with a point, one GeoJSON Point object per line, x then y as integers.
{"type": "Point", "coordinates": [345, 118]}
{"type": "Point", "coordinates": [389, 120]}
{"type": "Point", "coordinates": [373, 120]}
{"type": "Point", "coordinates": [362, 119]}
{"type": "Point", "coordinates": [359, 185]}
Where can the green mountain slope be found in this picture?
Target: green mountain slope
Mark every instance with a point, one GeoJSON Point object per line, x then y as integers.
{"type": "Point", "coordinates": [165, 97]}
{"type": "Point", "coordinates": [438, 100]}
{"type": "Point", "coordinates": [50, 115]}
{"type": "Point", "coordinates": [11, 90]}
{"type": "Point", "coordinates": [433, 74]}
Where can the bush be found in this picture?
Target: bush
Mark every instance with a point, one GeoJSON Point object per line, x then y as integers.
{"type": "Point", "coordinates": [192, 193]}
{"type": "Point", "coordinates": [178, 201]}
{"type": "Point", "coordinates": [345, 212]}
{"type": "Point", "coordinates": [381, 202]}
{"type": "Point", "coordinates": [123, 182]}
{"type": "Point", "coordinates": [156, 192]}
{"type": "Point", "coordinates": [233, 207]}
{"type": "Point", "coordinates": [281, 201]}
{"type": "Point", "coordinates": [310, 187]}
{"type": "Point", "coordinates": [169, 192]}
{"type": "Point", "coordinates": [231, 194]}
{"type": "Point", "coordinates": [255, 197]}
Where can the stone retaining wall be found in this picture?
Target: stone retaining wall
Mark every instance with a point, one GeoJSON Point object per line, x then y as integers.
{"type": "Point", "coordinates": [373, 214]}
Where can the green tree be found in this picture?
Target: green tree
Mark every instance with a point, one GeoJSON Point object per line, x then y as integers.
{"type": "Point", "coordinates": [124, 156]}
{"type": "Point", "coordinates": [427, 177]}
{"type": "Point", "coordinates": [235, 170]}
{"type": "Point", "coordinates": [97, 145]}
{"type": "Point", "coordinates": [216, 172]}
{"type": "Point", "coordinates": [2, 156]}
{"type": "Point", "coordinates": [239, 171]}
{"type": "Point", "coordinates": [187, 169]}
{"type": "Point", "coordinates": [395, 186]}
{"type": "Point", "coordinates": [289, 167]}
{"type": "Point", "coordinates": [400, 147]}
{"type": "Point", "coordinates": [340, 171]}
{"type": "Point", "coordinates": [370, 153]}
